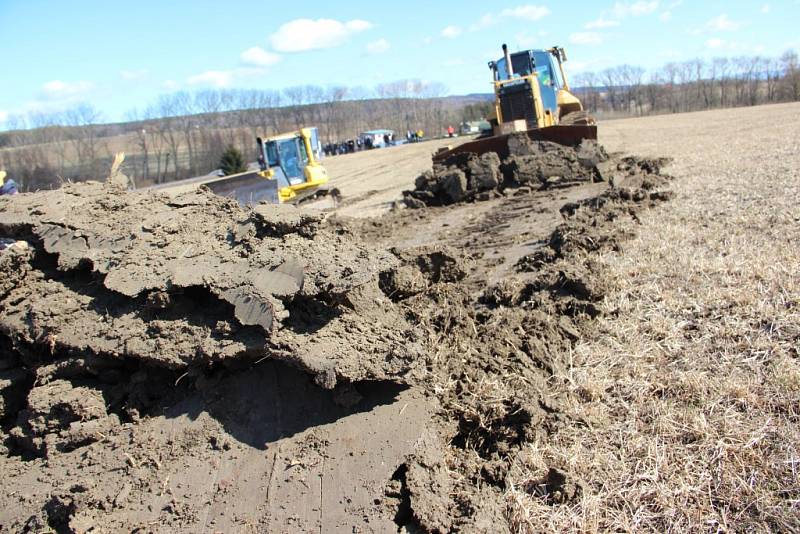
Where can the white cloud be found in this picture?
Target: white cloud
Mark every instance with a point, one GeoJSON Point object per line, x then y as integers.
{"type": "Point", "coordinates": [585, 38]}
{"type": "Point", "coordinates": [357, 25]}
{"type": "Point", "coordinates": [601, 23]}
{"type": "Point", "coordinates": [220, 78]}
{"type": "Point", "coordinates": [526, 40]}
{"type": "Point", "coordinates": [635, 9]}
{"type": "Point", "coordinates": [527, 12]}
{"type": "Point", "coordinates": [715, 43]}
{"type": "Point", "coordinates": [722, 24]}
{"type": "Point", "coordinates": [3, 115]}
{"type": "Point", "coordinates": [765, 9]}
{"type": "Point", "coordinates": [484, 22]}
{"type": "Point", "coordinates": [378, 47]}
{"type": "Point", "coordinates": [57, 95]}
{"type": "Point", "coordinates": [53, 86]}
{"type": "Point", "coordinates": [300, 35]}
{"type": "Point", "coordinates": [213, 78]}
{"type": "Point", "coordinates": [579, 66]}
{"type": "Point", "coordinates": [666, 16]}
{"type": "Point", "coordinates": [258, 57]}
{"type": "Point", "coordinates": [57, 90]}
{"type": "Point", "coordinates": [451, 32]}
{"type": "Point", "coordinates": [133, 75]}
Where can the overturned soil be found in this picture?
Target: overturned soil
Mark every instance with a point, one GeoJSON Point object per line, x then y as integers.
{"type": "Point", "coordinates": [529, 164]}
{"type": "Point", "coordinates": [184, 364]}
{"type": "Point", "coordinates": [191, 281]}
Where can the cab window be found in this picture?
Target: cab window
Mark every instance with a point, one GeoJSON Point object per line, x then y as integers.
{"type": "Point", "coordinates": [521, 61]}
{"type": "Point", "coordinates": [502, 72]}
{"type": "Point", "coordinates": [544, 69]}
{"type": "Point", "coordinates": [289, 157]}
{"type": "Point", "coordinates": [272, 153]}
{"type": "Point", "coordinates": [303, 152]}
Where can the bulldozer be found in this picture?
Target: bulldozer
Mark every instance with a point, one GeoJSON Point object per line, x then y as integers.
{"type": "Point", "coordinates": [289, 172]}
{"type": "Point", "coordinates": [531, 95]}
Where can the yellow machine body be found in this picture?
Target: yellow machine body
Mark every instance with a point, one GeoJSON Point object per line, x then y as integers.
{"type": "Point", "coordinates": [276, 154]}
{"type": "Point", "coordinates": [532, 95]}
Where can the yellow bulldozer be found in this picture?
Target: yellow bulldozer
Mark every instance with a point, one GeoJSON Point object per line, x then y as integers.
{"type": "Point", "coordinates": [290, 172]}
{"type": "Point", "coordinates": [531, 95]}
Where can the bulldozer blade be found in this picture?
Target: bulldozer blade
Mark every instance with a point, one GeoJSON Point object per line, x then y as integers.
{"type": "Point", "coordinates": [563, 135]}
{"type": "Point", "coordinates": [248, 188]}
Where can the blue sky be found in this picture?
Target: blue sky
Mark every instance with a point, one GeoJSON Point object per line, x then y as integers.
{"type": "Point", "coordinates": [122, 55]}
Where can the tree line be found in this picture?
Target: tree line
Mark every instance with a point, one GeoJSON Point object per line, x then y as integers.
{"type": "Point", "coordinates": [691, 85]}
{"type": "Point", "coordinates": [185, 133]}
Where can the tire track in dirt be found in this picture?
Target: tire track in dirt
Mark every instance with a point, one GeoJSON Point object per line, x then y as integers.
{"type": "Point", "coordinates": [499, 326]}
{"type": "Point", "coordinates": [213, 447]}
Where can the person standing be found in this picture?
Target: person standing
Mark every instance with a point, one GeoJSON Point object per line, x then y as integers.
{"type": "Point", "coordinates": [7, 187]}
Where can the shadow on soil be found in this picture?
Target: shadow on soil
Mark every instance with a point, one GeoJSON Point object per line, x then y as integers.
{"type": "Point", "coordinates": [272, 401]}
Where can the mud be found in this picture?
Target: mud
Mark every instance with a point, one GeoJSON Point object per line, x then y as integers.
{"type": "Point", "coordinates": [530, 164]}
{"type": "Point", "coordinates": [498, 351]}
{"type": "Point", "coordinates": [303, 381]}
{"type": "Point", "coordinates": [192, 281]}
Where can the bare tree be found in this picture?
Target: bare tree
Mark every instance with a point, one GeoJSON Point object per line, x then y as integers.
{"type": "Point", "coordinates": [183, 133]}
{"type": "Point", "coordinates": [722, 68]}
{"type": "Point", "coordinates": [332, 108]}
{"type": "Point", "coordinates": [791, 75]}
{"type": "Point", "coordinates": [296, 97]}
{"type": "Point", "coordinates": [85, 142]}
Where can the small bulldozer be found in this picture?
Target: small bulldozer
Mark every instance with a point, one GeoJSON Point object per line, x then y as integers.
{"type": "Point", "coordinates": [290, 171]}
{"type": "Point", "coordinates": [531, 95]}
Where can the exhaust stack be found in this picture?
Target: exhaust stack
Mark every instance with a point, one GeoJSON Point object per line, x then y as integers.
{"type": "Point", "coordinates": [509, 67]}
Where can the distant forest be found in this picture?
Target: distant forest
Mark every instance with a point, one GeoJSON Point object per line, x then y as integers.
{"type": "Point", "coordinates": [184, 134]}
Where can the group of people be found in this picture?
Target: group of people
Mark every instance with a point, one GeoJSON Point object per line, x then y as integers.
{"type": "Point", "coordinates": [7, 187]}
{"type": "Point", "coordinates": [414, 137]}
{"type": "Point", "coordinates": [345, 147]}
{"type": "Point", "coordinates": [350, 146]}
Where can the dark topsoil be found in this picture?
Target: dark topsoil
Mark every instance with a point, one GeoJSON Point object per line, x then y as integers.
{"type": "Point", "coordinates": [188, 365]}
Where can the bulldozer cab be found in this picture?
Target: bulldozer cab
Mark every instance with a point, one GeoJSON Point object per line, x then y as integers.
{"type": "Point", "coordinates": [287, 156]}
{"type": "Point", "coordinates": [544, 64]}
{"type": "Point", "coordinates": [292, 160]}
{"type": "Point", "coordinates": [532, 97]}
{"type": "Point", "coordinates": [290, 171]}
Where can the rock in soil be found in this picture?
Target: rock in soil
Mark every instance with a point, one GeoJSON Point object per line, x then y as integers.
{"type": "Point", "coordinates": [539, 164]}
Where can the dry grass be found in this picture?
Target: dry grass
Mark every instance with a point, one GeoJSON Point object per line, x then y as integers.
{"type": "Point", "coordinates": [688, 418]}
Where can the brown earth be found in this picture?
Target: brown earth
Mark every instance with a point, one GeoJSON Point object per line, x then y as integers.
{"type": "Point", "coordinates": [476, 307]}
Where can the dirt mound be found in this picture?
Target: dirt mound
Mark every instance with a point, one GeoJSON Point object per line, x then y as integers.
{"type": "Point", "coordinates": [421, 267]}
{"type": "Point", "coordinates": [537, 164]}
{"type": "Point", "coordinates": [63, 417]}
{"type": "Point", "coordinates": [111, 298]}
{"type": "Point", "coordinates": [497, 354]}
{"type": "Point", "coordinates": [131, 375]}
{"type": "Point", "coordinates": [189, 281]}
